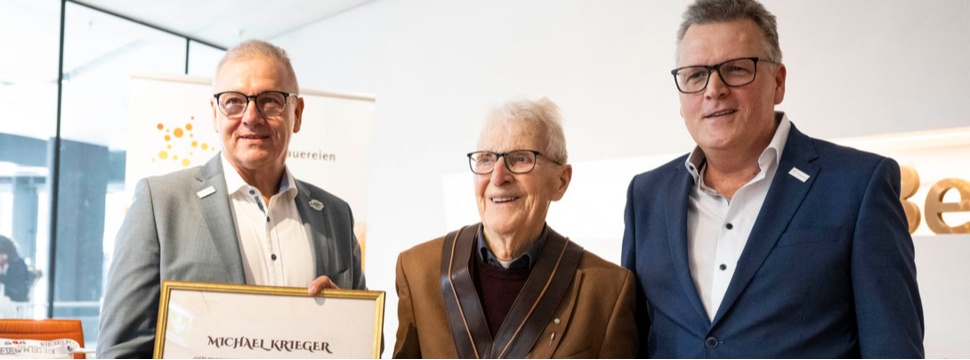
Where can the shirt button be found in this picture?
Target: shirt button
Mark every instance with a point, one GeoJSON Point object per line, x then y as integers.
{"type": "Point", "coordinates": [710, 342]}
{"type": "Point", "coordinates": [251, 192]}
{"type": "Point", "coordinates": [267, 219]}
{"type": "Point", "coordinates": [729, 226]}
{"type": "Point", "coordinates": [723, 267]}
{"type": "Point", "coordinates": [273, 257]}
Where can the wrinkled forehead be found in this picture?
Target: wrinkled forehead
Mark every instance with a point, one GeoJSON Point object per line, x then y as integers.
{"type": "Point", "coordinates": [714, 42]}
{"type": "Point", "coordinates": [501, 135]}
{"type": "Point", "coordinates": [243, 70]}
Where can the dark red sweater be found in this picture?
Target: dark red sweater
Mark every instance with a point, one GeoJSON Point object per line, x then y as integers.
{"type": "Point", "coordinates": [497, 290]}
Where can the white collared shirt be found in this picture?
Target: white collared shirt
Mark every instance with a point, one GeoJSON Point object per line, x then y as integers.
{"type": "Point", "coordinates": [274, 245]}
{"type": "Point", "coordinates": [718, 228]}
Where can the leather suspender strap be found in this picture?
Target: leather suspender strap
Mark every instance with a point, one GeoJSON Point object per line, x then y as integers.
{"type": "Point", "coordinates": [530, 313]}
{"type": "Point", "coordinates": [465, 315]}
{"type": "Point", "coordinates": [539, 298]}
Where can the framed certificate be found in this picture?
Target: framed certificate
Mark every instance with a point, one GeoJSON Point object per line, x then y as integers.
{"type": "Point", "coordinates": [207, 320]}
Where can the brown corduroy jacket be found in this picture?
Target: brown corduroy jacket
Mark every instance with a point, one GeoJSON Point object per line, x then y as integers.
{"type": "Point", "coordinates": [594, 318]}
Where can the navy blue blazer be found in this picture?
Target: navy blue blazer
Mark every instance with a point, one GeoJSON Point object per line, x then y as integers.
{"type": "Point", "coordinates": [827, 272]}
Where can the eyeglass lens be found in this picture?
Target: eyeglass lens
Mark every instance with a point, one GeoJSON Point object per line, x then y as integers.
{"type": "Point", "coordinates": [269, 103]}
{"type": "Point", "coordinates": [518, 162]}
{"type": "Point", "coordinates": [738, 72]}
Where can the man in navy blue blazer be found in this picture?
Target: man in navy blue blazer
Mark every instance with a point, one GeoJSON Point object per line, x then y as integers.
{"type": "Point", "coordinates": [764, 242]}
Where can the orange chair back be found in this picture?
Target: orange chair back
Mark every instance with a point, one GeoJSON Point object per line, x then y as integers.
{"type": "Point", "coordinates": [48, 329]}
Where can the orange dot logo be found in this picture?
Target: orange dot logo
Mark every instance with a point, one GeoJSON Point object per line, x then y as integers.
{"type": "Point", "coordinates": [176, 144]}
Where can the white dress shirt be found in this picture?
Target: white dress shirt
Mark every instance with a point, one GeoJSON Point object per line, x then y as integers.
{"type": "Point", "coordinates": [718, 228]}
{"type": "Point", "coordinates": [274, 245]}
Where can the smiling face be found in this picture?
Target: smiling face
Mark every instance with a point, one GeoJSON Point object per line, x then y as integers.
{"type": "Point", "coordinates": [514, 206]}
{"type": "Point", "coordinates": [254, 143]}
{"type": "Point", "coordinates": [731, 119]}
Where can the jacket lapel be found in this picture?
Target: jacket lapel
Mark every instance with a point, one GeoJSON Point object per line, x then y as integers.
{"type": "Point", "coordinates": [534, 307]}
{"type": "Point", "coordinates": [318, 227]}
{"type": "Point", "coordinates": [676, 201]}
{"type": "Point", "coordinates": [783, 199]}
{"type": "Point", "coordinates": [469, 329]}
{"type": "Point", "coordinates": [214, 202]}
{"type": "Point", "coordinates": [536, 304]}
{"type": "Point", "coordinates": [555, 331]}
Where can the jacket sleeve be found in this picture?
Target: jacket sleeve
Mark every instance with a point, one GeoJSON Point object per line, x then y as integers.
{"type": "Point", "coordinates": [620, 339]}
{"type": "Point", "coordinates": [360, 282]}
{"type": "Point", "coordinates": [628, 260]}
{"type": "Point", "coordinates": [407, 345]}
{"type": "Point", "coordinates": [130, 307]}
{"type": "Point", "coordinates": [888, 308]}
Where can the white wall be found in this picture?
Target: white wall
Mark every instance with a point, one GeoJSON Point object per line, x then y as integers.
{"type": "Point", "coordinates": [854, 68]}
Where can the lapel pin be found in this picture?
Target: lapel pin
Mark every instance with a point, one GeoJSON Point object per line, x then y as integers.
{"type": "Point", "coordinates": [316, 204]}
{"type": "Point", "coordinates": [206, 192]}
{"type": "Point", "coordinates": [798, 174]}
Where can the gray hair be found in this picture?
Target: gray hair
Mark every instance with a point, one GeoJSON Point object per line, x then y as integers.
{"type": "Point", "coordinates": [717, 11]}
{"type": "Point", "coordinates": [542, 116]}
{"type": "Point", "coordinates": [255, 48]}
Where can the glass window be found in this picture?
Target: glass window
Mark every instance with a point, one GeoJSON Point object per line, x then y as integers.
{"type": "Point", "coordinates": [28, 97]}
{"type": "Point", "coordinates": [101, 52]}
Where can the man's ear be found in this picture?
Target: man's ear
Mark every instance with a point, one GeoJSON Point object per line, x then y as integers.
{"type": "Point", "coordinates": [780, 83]}
{"type": "Point", "coordinates": [562, 182]}
{"type": "Point", "coordinates": [298, 115]}
{"type": "Point", "coordinates": [215, 116]}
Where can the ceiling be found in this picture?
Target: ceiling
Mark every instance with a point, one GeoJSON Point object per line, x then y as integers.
{"type": "Point", "coordinates": [224, 23]}
{"type": "Point", "coordinates": [101, 51]}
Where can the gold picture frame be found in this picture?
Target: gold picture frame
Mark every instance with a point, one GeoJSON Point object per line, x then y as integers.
{"type": "Point", "coordinates": [206, 320]}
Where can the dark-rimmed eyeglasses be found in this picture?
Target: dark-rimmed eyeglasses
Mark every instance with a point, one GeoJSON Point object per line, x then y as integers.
{"type": "Point", "coordinates": [517, 161]}
{"type": "Point", "coordinates": [269, 103]}
{"type": "Point", "coordinates": [733, 73]}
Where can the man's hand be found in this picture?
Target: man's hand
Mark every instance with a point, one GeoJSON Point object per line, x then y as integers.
{"type": "Point", "coordinates": [319, 284]}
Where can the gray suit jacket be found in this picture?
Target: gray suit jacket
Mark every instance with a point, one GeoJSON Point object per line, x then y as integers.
{"type": "Point", "coordinates": [170, 233]}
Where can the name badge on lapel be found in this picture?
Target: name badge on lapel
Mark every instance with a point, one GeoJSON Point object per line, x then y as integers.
{"type": "Point", "coordinates": [798, 174]}
{"type": "Point", "coordinates": [206, 192]}
{"type": "Point", "coordinates": [316, 204]}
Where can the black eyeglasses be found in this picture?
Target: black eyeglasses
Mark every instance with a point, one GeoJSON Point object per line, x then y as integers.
{"type": "Point", "coordinates": [269, 103]}
{"type": "Point", "coordinates": [733, 73]}
{"type": "Point", "coordinates": [517, 161]}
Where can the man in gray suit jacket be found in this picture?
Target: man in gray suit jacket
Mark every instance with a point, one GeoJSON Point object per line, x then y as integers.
{"type": "Point", "coordinates": [242, 218]}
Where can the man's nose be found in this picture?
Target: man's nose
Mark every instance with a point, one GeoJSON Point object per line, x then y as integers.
{"type": "Point", "coordinates": [716, 88]}
{"type": "Point", "coordinates": [501, 174]}
{"type": "Point", "coordinates": [252, 115]}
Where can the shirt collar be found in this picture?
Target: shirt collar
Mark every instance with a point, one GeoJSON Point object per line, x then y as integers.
{"type": "Point", "coordinates": [235, 183]}
{"type": "Point", "coordinates": [696, 160]}
{"type": "Point", "coordinates": [524, 261]}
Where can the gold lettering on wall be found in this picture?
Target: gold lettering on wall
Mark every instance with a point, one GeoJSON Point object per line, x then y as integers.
{"type": "Point", "coordinates": [935, 207]}
{"type": "Point", "coordinates": [910, 180]}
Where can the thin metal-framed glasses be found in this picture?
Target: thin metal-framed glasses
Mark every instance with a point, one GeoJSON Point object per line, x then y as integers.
{"type": "Point", "coordinates": [734, 73]}
{"type": "Point", "coordinates": [516, 161]}
{"type": "Point", "coordinates": [269, 103]}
